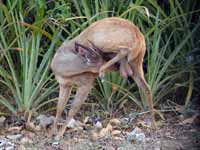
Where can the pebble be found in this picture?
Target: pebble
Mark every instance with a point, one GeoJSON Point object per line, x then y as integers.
{"type": "Point", "coordinates": [136, 135]}
{"type": "Point", "coordinates": [5, 144]}
{"type": "Point", "coordinates": [2, 120]}
{"type": "Point", "coordinates": [45, 121]}
{"type": "Point", "coordinates": [98, 125]}
{"type": "Point", "coordinates": [14, 137]}
{"type": "Point", "coordinates": [72, 124]}
{"type": "Point", "coordinates": [25, 140]}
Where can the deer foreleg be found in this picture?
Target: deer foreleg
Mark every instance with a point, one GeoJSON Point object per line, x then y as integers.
{"type": "Point", "coordinates": [80, 97]}
{"type": "Point", "coordinates": [64, 94]}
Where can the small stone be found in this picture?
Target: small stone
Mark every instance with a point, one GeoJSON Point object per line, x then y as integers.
{"type": "Point", "coordinates": [136, 135]}
{"type": "Point", "coordinates": [136, 130]}
{"type": "Point", "coordinates": [2, 142]}
{"type": "Point", "coordinates": [140, 137]}
{"type": "Point", "coordinates": [21, 147]}
{"type": "Point", "coordinates": [56, 142]}
{"type": "Point", "coordinates": [118, 138]}
{"type": "Point", "coordinates": [72, 123]}
{"type": "Point", "coordinates": [45, 121]}
{"type": "Point", "coordinates": [167, 134]}
{"type": "Point", "coordinates": [38, 128]}
{"type": "Point", "coordinates": [5, 144]}
{"type": "Point", "coordinates": [10, 148]}
{"type": "Point", "coordinates": [125, 120]}
{"type": "Point", "coordinates": [98, 125]}
{"type": "Point", "coordinates": [57, 139]}
{"type": "Point", "coordinates": [94, 136]}
{"type": "Point", "coordinates": [14, 137]}
{"type": "Point", "coordinates": [26, 140]}
{"type": "Point", "coordinates": [2, 120]}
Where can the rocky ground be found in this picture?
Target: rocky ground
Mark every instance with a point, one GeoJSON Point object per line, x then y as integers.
{"type": "Point", "coordinates": [173, 133]}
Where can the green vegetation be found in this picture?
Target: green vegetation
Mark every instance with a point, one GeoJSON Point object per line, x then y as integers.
{"type": "Point", "coordinates": [30, 32]}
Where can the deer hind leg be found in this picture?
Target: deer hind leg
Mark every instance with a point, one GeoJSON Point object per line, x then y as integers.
{"type": "Point", "coordinates": [125, 69]}
{"type": "Point", "coordinates": [64, 93]}
{"type": "Point", "coordinates": [80, 97]}
{"type": "Point", "coordinates": [122, 54]}
{"type": "Point", "coordinates": [138, 76]}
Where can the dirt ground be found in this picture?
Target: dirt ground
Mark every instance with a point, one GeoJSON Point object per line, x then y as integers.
{"type": "Point", "coordinates": [172, 134]}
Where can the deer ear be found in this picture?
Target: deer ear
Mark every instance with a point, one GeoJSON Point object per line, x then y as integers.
{"type": "Point", "coordinates": [81, 50]}
{"type": "Point", "coordinates": [96, 50]}
{"type": "Point", "coordinates": [87, 53]}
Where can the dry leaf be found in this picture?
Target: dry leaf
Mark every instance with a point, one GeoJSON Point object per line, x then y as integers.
{"type": "Point", "coordinates": [188, 120]}
{"type": "Point", "coordinates": [95, 136]}
{"type": "Point", "coordinates": [109, 127]}
{"type": "Point", "coordinates": [105, 131]}
{"type": "Point", "coordinates": [86, 119]}
{"type": "Point", "coordinates": [115, 121]}
{"type": "Point", "coordinates": [15, 129]}
{"type": "Point", "coordinates": [116, 132]}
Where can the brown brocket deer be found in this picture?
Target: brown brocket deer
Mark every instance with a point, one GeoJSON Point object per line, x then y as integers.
{"type": "Point", "coordinates": [112, 40]}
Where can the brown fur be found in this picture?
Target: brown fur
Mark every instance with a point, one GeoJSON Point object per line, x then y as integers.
{"type": "Point", "coordinates": [110, 35]}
